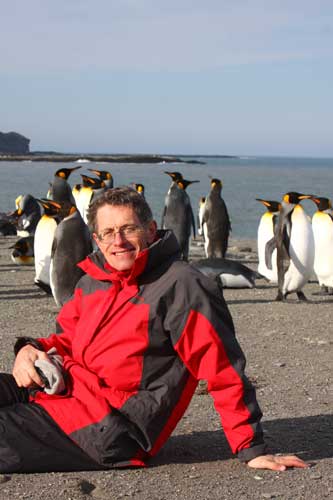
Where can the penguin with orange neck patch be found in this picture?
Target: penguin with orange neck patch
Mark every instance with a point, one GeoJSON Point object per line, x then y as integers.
{"type": "Point", "coordinates": [295, 246]}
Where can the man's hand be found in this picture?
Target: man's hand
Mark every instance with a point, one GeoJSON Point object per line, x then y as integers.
{"type": "Point", "coordinates": [24, 370]}
{"type": "Point", "coordinates": [276, 462]}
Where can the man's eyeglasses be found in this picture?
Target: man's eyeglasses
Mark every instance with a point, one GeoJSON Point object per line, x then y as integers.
{"type": "Point", "coordinates": [108, 235]}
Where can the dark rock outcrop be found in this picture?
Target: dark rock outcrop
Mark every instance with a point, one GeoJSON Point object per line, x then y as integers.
{"type": "Point", "coordinates": [14, 143]}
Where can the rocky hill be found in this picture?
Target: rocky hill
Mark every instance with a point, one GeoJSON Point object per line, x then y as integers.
{"type": "Point", "coordinates": [14, 143]}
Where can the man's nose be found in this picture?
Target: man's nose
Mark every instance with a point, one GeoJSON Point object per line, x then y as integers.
{"type": "Point", "coordinates": [118, 237]}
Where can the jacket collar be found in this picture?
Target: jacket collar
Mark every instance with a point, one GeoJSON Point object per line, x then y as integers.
{"type": "Point", "coordinates": [164, 248]}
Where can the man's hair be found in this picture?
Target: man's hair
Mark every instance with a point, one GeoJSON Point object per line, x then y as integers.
{"type": "Point", "coordinates": [120, 196]}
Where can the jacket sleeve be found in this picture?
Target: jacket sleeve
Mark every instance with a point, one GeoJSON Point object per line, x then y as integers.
{"type": "Point", "coordinates": [66, 325]}
{"type": "Point", "coordinates": [203, 335]}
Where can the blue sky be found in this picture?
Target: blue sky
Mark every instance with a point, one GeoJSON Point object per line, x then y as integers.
{"type": "Point", "coordinates": [178, 76]}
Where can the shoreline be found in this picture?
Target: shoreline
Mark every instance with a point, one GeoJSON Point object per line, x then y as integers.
{"type": "Point", "coordinates": [106, 158]}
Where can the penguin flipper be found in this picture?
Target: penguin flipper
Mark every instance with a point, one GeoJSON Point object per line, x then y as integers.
{"type": "Point", "coordinates": [269, 249]}
{"type": "Point", "coordinates": [193, 222]}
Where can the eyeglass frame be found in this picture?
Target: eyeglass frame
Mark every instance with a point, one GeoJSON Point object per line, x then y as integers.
{"type": "Point", "coordinates": [134, 230]}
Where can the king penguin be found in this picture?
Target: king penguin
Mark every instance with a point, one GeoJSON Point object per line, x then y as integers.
{"type": "Point", "coordinates": [322, 225]}
{"type": "Point", "coordinates": [216, 224]}
{"type": "Point", "coordinates": [139, 188]}
{"type": "Point", "coordinates": [91, 188]}
{"type": "Point", "coordinates": [267, 265]}
{"type": "Point", "coordinates": [28, 213]}
{"type": "Point", "coordinates": [60, 189]}
{"type": "Point", "coordinates": [71, 244]}
{"type": "Point", "coordinates": [104, 176]}
{"type": "Point", "coordinates": [23, 251]}
{"type": "Point", "coordinates": [295, 246]}
{"type": "Point", "coordinates": [44, 235]}
{"type": "Point", "coordinates": [178, 214]}
{"type": "Point", "coordinates": [227, 272]}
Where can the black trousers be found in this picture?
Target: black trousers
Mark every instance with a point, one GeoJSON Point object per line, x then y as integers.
{"type": "Point", "coordinates": [30, 440]}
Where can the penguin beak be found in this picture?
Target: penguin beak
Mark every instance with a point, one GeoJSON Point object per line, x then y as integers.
{"type": "Point", "coordinates": [305, 196]}
{"type": "Point", "coordinates": [264, 202]}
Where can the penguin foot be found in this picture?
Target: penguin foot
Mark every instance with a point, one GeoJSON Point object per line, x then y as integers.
{"type": "Point", "coordinates": [301, 297]}
{"type": "Point", "coordinates": [280, 297]}
{"type": "Point", "coordinates": [46, 288]}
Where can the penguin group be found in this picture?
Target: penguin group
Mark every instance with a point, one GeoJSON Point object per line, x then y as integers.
{"type": "Point", "coordinates": [54, 232]}
{"type": "Point", "coordinates": [292, 247]}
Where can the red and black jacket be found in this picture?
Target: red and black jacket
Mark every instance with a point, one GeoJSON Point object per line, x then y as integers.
{"type": "Point", "coordinates": [134, 347]}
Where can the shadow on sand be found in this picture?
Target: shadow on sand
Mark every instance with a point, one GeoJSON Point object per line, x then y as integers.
{"type": "Point", "coordinates": [309, 437]}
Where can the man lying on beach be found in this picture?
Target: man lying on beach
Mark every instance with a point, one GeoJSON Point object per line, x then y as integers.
{"type": "Point", "coordinates": [140, 331]}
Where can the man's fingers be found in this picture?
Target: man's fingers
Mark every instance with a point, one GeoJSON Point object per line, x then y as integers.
{"type": "Point", "coordinates": [276, 462]}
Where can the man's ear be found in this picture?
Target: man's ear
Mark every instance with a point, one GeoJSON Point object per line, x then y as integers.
{"type": "Point", "coordinates": [96, 239]}
{"type": "Point", "coordinates": [151, 232]}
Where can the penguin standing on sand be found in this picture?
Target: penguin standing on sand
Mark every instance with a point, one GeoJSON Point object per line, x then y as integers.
{"type": "Point", "coordinates": [44, 235]}
{"type": "Point", "coordinates": [23, 251]}
{"type": "Point", "coordinates": [266, 245]}
{"type": "Point", "coordinates": [71, 244]}
{"type": "Point", "coordinates": [295, 246]}
{"type": "Point", "coordinates": [216, 224]}
{"type": "Point", "coordinates": [60, 189]}
{"type": "Point", "coordinates": [322, 225]}
{"type": "Point", "coordinates": [178, 214]}
{"type": "Point", "coordinates": [28, 214]}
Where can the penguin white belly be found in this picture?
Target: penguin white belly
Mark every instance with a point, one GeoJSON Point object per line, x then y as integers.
{"type": "Point", "coordinates": [206, 238]}
{"type": "Point", "coordinates": [229, 280]}
{"type": "Point", "coordinates": [323, 236]}
{"type": "Point", "coordinates": [301, 251]}
{"type": "Point", "coordinates": [265, 234]}
{"type": "Point", "coordinates": [44, 235]}
{"type": "Point", "coordinates": [200, 217]}
{"type": "Point", "coordinates": [83, 202]}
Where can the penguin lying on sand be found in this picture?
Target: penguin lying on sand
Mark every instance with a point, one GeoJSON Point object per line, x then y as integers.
{"type": "Point", "coordinates": [23, 251]}
{"type": "Point", "coordinates": [229, 273]}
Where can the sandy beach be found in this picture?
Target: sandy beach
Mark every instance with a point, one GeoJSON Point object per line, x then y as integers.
{"type": "Point", "coordinates": [289, 350]}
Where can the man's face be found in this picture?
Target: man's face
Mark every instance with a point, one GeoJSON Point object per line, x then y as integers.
{"type": "Point", "coordinates": [128, 235]}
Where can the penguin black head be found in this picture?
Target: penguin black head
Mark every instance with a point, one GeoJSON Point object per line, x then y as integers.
{"type": "Point", "coordinates": [294, 198]}
{"type": "Point", "coordinates": [175, 176]}
{"type": "Point", "coordinates": [322, 203]}
{"type": "Point", "coordinates": [139, 188]}
{"type": "Point", "coordinates": [216, 185]}
{"type": "Point", "coordinates": [92, 182]}
{"type": "Point", "coordinates": [202, 200]}
{"type": "Point", "coordinates": [104, 175]}
{"type": "Point", "coordinates": [272, 206]}
{"type": "Point", "coordinates": [183, 183]}
{"type": "Point", "coordinates": [64, 173]}
{"type": "Point", "coordinates": [50, 207]}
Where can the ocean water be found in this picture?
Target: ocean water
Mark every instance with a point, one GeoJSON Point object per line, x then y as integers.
{"type": "Point", "coordinates": [244, 179]}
